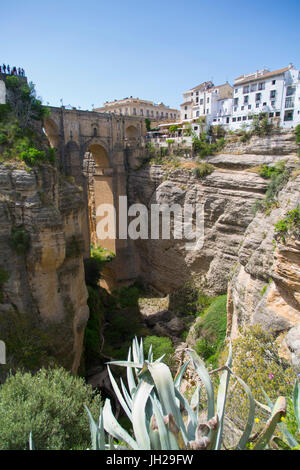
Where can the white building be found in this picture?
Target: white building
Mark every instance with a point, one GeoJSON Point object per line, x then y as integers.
{"type": "Point", "coordinates": [2, 92]}
{"type": "Point", "coordinates": [206, 100]}
{"type": "Point", "coordinates": [276, 93]}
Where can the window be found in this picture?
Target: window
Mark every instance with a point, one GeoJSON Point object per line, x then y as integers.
{"type": "Point", "coordinates": [207, 111]}
{"type": "Point", "coordinates": [289, 103]}
{"type": "Point", "coordinates": [264, 104]}
{"type": "Point", "coordinates": [277, 113]}
{"type": "Point", "coordinates": [236, 102]}
{"type": "Point", "coordinates": [272, 103]}
{"type": "Point", "coordinates": [289, 115]}
{"type": "Point", "coordinates": [95, 131]}
{"type": "Point", "coordinates": [214, 120]}
{"type": "Point", "coordinates": [185, 108]}
{"type": "Point", "coordinates": [236, 90]}
{"type": "Point", "coordinates": [261, 86]}
{"type": "Point", "coordinates": [246, 89]}
{"type": "Point", "coordinates": [147, 112]}
{"type": "Point", "coordinates": [197, 93]}
{"type": "Point", "coordinates": [141, 112]}
{"type": "Point", "coordinates": [250, 117]}
{"type": "Point", "coordinates": [185, 116]}
{"type": "Point", "coordinates": [201, 101]}
{"type": "Point", "coordinates": [272, 94]}
{"type": "Point", "coordinates": [167, 115]}
{"type": "Point", "coordinates": [197, 113]}
{"type": "Point", "coordinates": [258, 97]}
{"type": "Point", "coordinates": [195, 128]}
{"type": "Point", "coordinates": [246, 99]}
{"type": "Point", "coordinates": [290, 91]}
{"type": "Point", "coordinates": [134, 111]}
{"type": "Point", "coordinates": [242, 108]}
{"type": "Point", "coordinates": [197, 99]}
{"type": "Point", "coordinates": [273, 82]}
{"type": "Point", "coordinates": [239, 118]}
{"type": "Point", "coordinates": [152, 113]}
{"type": "Point", "coordinates": [207, 100]}
{"type": "Point", "coordinates": [233, 119]}
{"type": "Point", "coordinates": [227, 120]}
{"type": "Point", "coordinates": [254, 87]}
{"type": "Point", "coordinates": [271, 115]}
{"type": "Point", "coordinates": [257, 104]}
{"type": "Point", "coordinates": [244, 118]}
{"type": "Point", "coordinates": [235, 109]}
{"type": "Point", "coordinates": [249, 106]}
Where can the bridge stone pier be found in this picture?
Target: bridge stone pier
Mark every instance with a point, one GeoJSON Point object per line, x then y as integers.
{"type": "Point", "coordinates": [97, 149]}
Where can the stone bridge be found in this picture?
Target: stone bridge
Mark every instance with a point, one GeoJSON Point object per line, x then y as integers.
{"type": "Point", "coordinates": [96, 149]}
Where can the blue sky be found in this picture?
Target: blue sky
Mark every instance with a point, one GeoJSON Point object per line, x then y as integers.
{"type": "Point", "coordinates": [90, 51]}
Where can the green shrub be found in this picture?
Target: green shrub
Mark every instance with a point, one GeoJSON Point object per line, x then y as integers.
{"type": "Point", "coordinates": [257, 362]}
{"type": "Point", "coordinates": [20, 240]}
{"type": "Point", "coordinates": [48, 404]}
{"type": "Point", "coordinates": [203, 169]}
{"type": "Point", "coordinates": [129, 296]}
{"type": "Point", "coordinates": [278, 176]}
{"type": "Point", "coordinates": [188, 300]}
{"type": "Point", "coordinates": [211, 328]}
{"type": "Point", "coordinates": [160, 345]}
{"type": "Point", "coordinates": [290, 225]}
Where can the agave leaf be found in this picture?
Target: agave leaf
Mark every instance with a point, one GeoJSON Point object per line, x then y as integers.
{"type": "Point", "coordinates": [180, 374]}
{"type": "Point", "coordinates": [126, 394]}
{"type": "Point", "coordinates": [205, 378]}
{"type": "Point", "coordinates": [166, 391]}
{"type": "Point", "coordinates": [221, 399]}
{"type": "Point", "coordinates": [150, 355]}
{"type": "Point", "coordinates": [290, 439]}
{"type": "Point", "coordinates": [119, 394]}
{"type": "Point", "coordinates": [97, 434]}
{"type": "Point", "coordinates": [193, 422]}
{"type": "Point", "coordinates": [195, 400]}
{"type": "Point", "coordinates": [296, 402]}
{"type": "Point", "coordinates": [130, 378]}
{"type": "Point", "coordinates": [154, 438]}
{"type": "Point", "coordinates": [141, 356]}
{"type": "Point", "coordinates": [250, 421]}
{"type": "Point", "coordinates": [279, 410]}
{"type": "Point", "coordinates": [162, 429]}
{"type": "Point", "coordinates": [126, 364]}
{"type": "Point", "coordinates": [160, 358]}
{"type": "Point", "coordinates": [113, 428]}
{"type": "Point", "coordinates": [139, 424]}
{"type": "Point", "coordinates": [31, 445]}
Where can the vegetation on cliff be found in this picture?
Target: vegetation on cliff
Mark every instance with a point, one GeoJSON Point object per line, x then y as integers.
{"type": "Point", "coordinates": [21, 136]}
{"type": "Point", "coordinates": [48, 404]}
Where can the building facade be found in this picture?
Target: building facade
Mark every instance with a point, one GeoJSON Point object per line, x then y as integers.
{"type": "Point", "coordinates": [141, 108]}
{"type": "Point", "coordinates": [205, 101]}
{"type": "Point", "coordinates": [276, 93]}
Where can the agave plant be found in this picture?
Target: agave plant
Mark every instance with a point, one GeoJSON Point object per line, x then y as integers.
{"type": "Point", "coordinates": [162, 418]}
{"type": "Point", "coordinates": [290, 440]}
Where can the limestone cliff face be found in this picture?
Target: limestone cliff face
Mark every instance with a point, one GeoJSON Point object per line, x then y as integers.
{"type": "Point", "coordinates": [265, 287]}
{"type": "Point", "coordinates": [228, 194]}
{"type": "Point", "coordinates": [45, 291]}
{"type": "Point", "coordinates": [278, 142]}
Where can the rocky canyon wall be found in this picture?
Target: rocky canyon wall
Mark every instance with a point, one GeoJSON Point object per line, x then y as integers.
{"type": "Point", "coordinates": [43, 307]}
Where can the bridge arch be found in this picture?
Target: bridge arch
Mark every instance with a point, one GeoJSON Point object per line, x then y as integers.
{"type": "Point", "coordinates": [131, 132]}
{"type": "Point", "coordinates": [100, 180]}
{"type": "Point", "coordinates": [52, 132]}
{"type": "Point", "coordinates": [100, 155]}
